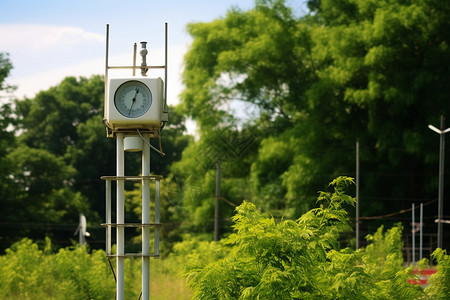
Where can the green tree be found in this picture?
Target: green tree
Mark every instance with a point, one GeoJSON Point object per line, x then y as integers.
{"type": "Point", "coordinates": [376, 71]}
{"type": "Point", "coordinates": [5, 68]}
{"type": "Point", "coordinates": [174, 139]}
{"type": "Point", "coordinates": [62, 151]}
{"type": "Point", "coordinates": [39, 196]}
{"type": "Point", "coordinates": [8, 188]}
{"type": "Point", "coordinates": [55, 182]}
{"type": "Point", "coordinates": [194, 176]}
{"type": "Point", "coordinates": [50, 120]}
{"type": "Point", "coordinates": [66, 120]}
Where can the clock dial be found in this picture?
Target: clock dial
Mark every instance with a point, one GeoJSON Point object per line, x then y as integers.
{"type": "Point", "coordinates": [133, 99]}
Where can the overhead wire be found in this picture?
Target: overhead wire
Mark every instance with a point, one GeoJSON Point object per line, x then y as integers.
{"type": "Point", "coordinates": [394, 213]}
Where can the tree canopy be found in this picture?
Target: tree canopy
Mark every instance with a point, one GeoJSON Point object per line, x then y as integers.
{"type": "Point", "coordinates": [310, 86]}
{"type": "Point", "coordinates": [54, 151]}
{"type": "Point", "coordinates": [280, 100]}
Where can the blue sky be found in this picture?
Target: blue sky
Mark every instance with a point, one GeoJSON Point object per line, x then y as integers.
{"type": "Point", "coordinates": [48, 40]}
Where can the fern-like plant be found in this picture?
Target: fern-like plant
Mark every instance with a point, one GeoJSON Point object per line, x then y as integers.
{"type": "Point", "coordinates": [302, 259]}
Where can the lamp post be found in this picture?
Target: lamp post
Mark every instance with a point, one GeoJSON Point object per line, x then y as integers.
{"type": "Point", "coordinates": [442, 133]}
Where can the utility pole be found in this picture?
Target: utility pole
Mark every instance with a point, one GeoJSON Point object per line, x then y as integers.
{"type": "Point", "coordinates": [216, 210]}
{"type": "Point", "coordinates": [357, 194]}
{"type": "Point", "coordinates": [442, 133]}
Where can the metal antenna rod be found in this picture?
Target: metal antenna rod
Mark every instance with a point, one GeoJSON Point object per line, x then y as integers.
{"type": "Point", "coordinates": [165, 109]}
{"type": "Point", "coordinates": [106, 69]}
{"type": "Point", "coordinates": [134, 59]}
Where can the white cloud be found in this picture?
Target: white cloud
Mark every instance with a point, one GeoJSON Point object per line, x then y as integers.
{"type": "Point", "coordinates": [36, 48]}
{"type": "Point", "coordinates": [39, 38]}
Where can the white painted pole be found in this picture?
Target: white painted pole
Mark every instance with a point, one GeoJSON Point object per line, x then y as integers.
{"type": "Point", "coordinates": [120, 219]}
{"type": "Point", "coordinates": [441, 182]}
{"type": "Point", "coordinates": [146, 220]}
{"type": "Point", "coordinates": [157, 218]}
{"type": "Point", "coordinates": [442, 133]}
{"type": "Point", "coordinates": [421, 232]}
{"type": "Point", "coordinates": [108, 217]}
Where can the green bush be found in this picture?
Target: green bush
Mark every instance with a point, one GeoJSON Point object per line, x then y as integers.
{"type": "Point", "coordinates": [28, 272]}
{"type": "Point", "coordinates": [439, 286]}
{"type": "Point", "coordinates": [262, 259]}
{"type": "Point", "coordinates": [302, 259]}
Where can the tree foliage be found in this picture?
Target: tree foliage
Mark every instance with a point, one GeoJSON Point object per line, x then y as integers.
{"type": "Point", "coordinates": [33, 270]}
{"type": "Point", "coordinates": [302, 259]}
{"type": "Point", "coordinates": [279, 99]}
{"type": "Point", "coordinates": [47, 180]}
{"type": "Point", "coordinates": [54, 151]}
{"type": "Point", "coordinates": [70, 274]}
{"type": "Point", "coordinates": [5, 68]}
{"type": "Point", "coordinates": [310, 86]}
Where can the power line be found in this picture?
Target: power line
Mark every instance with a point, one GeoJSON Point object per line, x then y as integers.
{"type": "Point", "coordinates": [394, 213]}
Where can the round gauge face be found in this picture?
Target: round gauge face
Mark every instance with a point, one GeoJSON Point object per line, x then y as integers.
{"type": "Point", "coordinates": [133, 99]}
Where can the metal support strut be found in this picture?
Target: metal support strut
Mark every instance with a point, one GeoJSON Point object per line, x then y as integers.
{"type": "Point", "coordinates": [120, 219]}
{"type": "Point", "coordinates": [120, 224]}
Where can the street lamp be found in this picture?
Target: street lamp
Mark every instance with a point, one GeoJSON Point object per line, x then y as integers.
{"type": "Point", "coordinates": [442, 133]}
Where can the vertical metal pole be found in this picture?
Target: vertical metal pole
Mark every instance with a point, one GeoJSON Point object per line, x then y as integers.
{"type": "Point", "coordinates": [157, 186]}
{"type": "Point", "coordinates": [165, 68]}
{"type": "Point", "coordinates": [442, 133]}
{"type": "Point", "coordinates": [120, 219]}
{"type": "Point", "coordinates": [80, 231]}
{"type": "Point", "coordinates": [108, 217]}
{"type": "Point", "coordinates": [357, 194]}
{"type": "Point", "coordinates": [106, 70]}
{"type": "Point", "coordinates": [146, 220]}
{"type": "Point", "coordinates": [216, 211]}
{"type": "Point", "coordinates": [421, 232]}
{"type": "Point", "coordinates": [441, 181]}
{"type": "Point", "coordinates": [413, 232]}
{"type": "Point", "coordinates": [134, 59]}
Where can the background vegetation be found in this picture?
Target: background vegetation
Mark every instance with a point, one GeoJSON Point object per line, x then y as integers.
{"type": "Point", "coordinates": [280, 99]}
{"type": "Point", "coordinates": [262, 259]}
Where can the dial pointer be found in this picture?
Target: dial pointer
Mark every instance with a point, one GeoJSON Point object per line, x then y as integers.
{"type": "Point", "coordinates": [134, 100]}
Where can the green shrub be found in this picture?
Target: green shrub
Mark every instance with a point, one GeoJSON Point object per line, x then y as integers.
{"type": "Point", "coordinates": [30, 273]}
{"type": "Point", "coordinates": [302, 259]}
{"type": "Point", "coordinates": [439, 287]}
{"type": "Point", "coordinates": [76, 273]}
{"type": "Point", "coordinates": [262, 259]}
